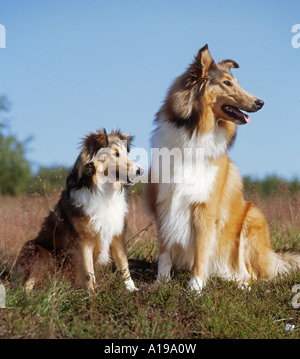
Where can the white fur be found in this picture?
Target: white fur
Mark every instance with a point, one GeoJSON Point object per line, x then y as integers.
{"type": "Point", "coordinates": [196, 284]}
{"type": "Point", "coordinates": [244, 286]}
{"type": "Point", "coordinates": [174, 199]}
{"type": "Point", "coordinates": [106, 207]}
{"type": "Point", "coordinates": [198, 176]}
{"type": "Point", "coordinates": [129, 284]}
{"type": "Point", "coordinates": [164, 266]}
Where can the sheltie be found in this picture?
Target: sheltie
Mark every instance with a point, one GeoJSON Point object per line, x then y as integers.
{"type": "Point", "coordinates": [88, 222]}
{"type": "Point", "coordinates": [203, 222]}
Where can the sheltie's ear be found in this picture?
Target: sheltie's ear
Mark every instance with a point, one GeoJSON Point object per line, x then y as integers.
{"type": "Point", "coordinates": [92, 143]}
{"type": "Point", "coordinates": [80, 175]}
{"type": "Point", "coordinates": [127, 138]}
{"type": "Point", "coordinates": [73, 178]}
{"type": "Point", "coordinates": [200, 67]}
{"type": "Point", "coordinates": [88, 171]}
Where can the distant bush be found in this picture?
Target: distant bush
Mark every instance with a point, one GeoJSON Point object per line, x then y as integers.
{"type": "Point", "coordinates": [47, 180]}
{"type": "Point", "coordinates": [14, 168]}
{"type": "Point", "coordinates": [270, 185]}
{"type": "Point", "coordinates": [265, 187]}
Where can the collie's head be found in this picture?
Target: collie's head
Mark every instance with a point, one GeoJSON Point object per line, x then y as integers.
{"type": "Point", "coordinates": [104, 160]}
{"type": "Point", "coordinates": [208, 94]}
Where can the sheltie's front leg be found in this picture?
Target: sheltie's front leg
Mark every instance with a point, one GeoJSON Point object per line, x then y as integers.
{"type": "Point", "coordinates": [118, 251]}
{"type": "Point", "coordinates": [83, 265]}
{"type": "Point", "coordinates": [203, 238]}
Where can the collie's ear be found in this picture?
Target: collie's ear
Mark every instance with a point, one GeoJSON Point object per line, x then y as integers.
{"type": "Point", "coordinates": [200, 67]}
{"type": "Point", "coordinates": [229, 64]}
{"type": "Point", "coordinates": [93, 142]}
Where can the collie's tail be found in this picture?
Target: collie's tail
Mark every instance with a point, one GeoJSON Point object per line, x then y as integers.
{"type": "Point", "coordinates": [284, 262]}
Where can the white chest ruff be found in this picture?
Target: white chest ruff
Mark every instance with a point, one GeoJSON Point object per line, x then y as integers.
{"type": "Point", "coordinates": [174, 206]}
{"type": "Point", "coordinates": [107, 215]}
{"type": "Point", "coordinates": [192, 178]}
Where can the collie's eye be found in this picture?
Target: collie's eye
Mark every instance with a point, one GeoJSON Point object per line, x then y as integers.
{"type": "Point", "coordinates": [116, 154]}
{"type": "Point", "coordinates": [227, 83]}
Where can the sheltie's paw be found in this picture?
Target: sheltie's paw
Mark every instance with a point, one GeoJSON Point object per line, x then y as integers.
{"type": "Point", "coordinates": [29, 285]}
{"type": "Point", "coordinates": [129, 284]}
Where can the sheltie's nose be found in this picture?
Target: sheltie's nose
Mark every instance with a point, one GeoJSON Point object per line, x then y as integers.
{"type": "Point", "coordinates": [139, 171]}
{"type": "Point", "coordinates": [259, 103]}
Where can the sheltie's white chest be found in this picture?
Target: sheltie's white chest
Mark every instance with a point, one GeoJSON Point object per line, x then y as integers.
{"type": "Point", "coordinates": [107, 211]}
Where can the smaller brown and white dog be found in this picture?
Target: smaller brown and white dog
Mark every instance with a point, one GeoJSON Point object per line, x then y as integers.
{"type": "Point", "coordinates": [88, 222]}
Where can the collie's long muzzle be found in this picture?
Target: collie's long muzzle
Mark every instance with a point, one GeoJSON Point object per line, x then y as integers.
{"type": "Point", "coordinates": [239, 117]}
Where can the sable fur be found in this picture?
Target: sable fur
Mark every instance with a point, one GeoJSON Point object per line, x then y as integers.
{"type": "Point", "coordinates": [213, 231]}
{"type": "Point", "coordinates": [88, 222]}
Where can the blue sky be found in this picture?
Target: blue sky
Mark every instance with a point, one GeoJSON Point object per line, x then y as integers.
{"type": "Point", "coordinates": [73, 66]}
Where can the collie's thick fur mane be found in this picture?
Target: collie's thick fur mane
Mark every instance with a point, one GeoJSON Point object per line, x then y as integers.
{"type": "Point", "coordinates": [203, 222]}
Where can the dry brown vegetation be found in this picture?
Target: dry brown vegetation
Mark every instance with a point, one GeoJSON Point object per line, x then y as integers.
{"type": "Point", "coordinates": [169, 311]}
{"type": "Point", "coordinates": [21, 218]}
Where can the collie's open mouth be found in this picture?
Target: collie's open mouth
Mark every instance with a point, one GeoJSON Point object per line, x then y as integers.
{"type": "Point", "coordinates": [239, 117]}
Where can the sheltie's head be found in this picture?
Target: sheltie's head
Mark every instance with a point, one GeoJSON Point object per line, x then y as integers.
{"type": "Point", "coordinates": [104, 159]}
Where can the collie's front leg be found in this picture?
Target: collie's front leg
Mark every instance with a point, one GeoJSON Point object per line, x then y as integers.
{"type": "Point", "coordinates": [203, 238]}
{"type": "Point", "coordinates": [164, 264]}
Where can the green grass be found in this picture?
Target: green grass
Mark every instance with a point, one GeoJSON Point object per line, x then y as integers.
{"type": "Point", "coordinates": [56, 310]}
{"type": "Point", "coordinates": [168, 311]}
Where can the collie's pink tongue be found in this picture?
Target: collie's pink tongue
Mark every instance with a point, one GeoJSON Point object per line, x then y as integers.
{"type": "Point", "coordinates": [247, 118]}
{"type": "Point", "coordinates": [240, 114]}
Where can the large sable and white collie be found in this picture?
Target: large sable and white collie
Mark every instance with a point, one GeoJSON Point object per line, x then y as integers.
{"type": "Point", "coordinates": [88, 222]}
{"type": "Point", "coordinates": [203, 222]}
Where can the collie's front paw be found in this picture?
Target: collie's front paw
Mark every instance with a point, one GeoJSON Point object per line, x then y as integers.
{"type": "Point", "coordinates": [196, 284]}
{"type": "Point", "coordinates": [163, 279]}
{"type": "Point", "coordinates": [129, 284]}
{"type": "Point", "coordinates": [244, 286]}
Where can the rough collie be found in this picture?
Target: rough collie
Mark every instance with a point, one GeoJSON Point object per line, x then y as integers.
{"type": "Point", "coordinates": [87, 224]}
{"type": "Point", "coordinates": [203, 222]}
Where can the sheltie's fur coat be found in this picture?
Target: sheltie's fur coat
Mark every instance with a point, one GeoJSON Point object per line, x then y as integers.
{"type": "Point", "coordinates": [88, 222]}
{"type": "Point", "coordinates": [203, 222]}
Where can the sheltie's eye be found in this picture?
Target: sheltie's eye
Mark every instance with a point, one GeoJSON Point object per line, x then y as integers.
{"type": "Point", "coordinates": [227, 83]}
{"type": "Point", "coordinates": [116, 154]}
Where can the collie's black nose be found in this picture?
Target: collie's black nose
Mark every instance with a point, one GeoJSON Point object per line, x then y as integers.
{"type": "Point", "coordinates": [259, 103]}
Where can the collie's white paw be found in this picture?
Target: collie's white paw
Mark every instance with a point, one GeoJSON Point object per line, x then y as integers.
{"type": "Point", "coordinates": [196, 284]}
{"type": "Point", "coordinates": [129, 284]}
{"type": "Point", "coordinates": [161, 279]}
{"type": "Point", "coordinates": [244, 286]}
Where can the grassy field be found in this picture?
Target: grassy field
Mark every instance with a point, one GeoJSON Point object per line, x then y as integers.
{"type": "Point", "coordinates": [56, 310]}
